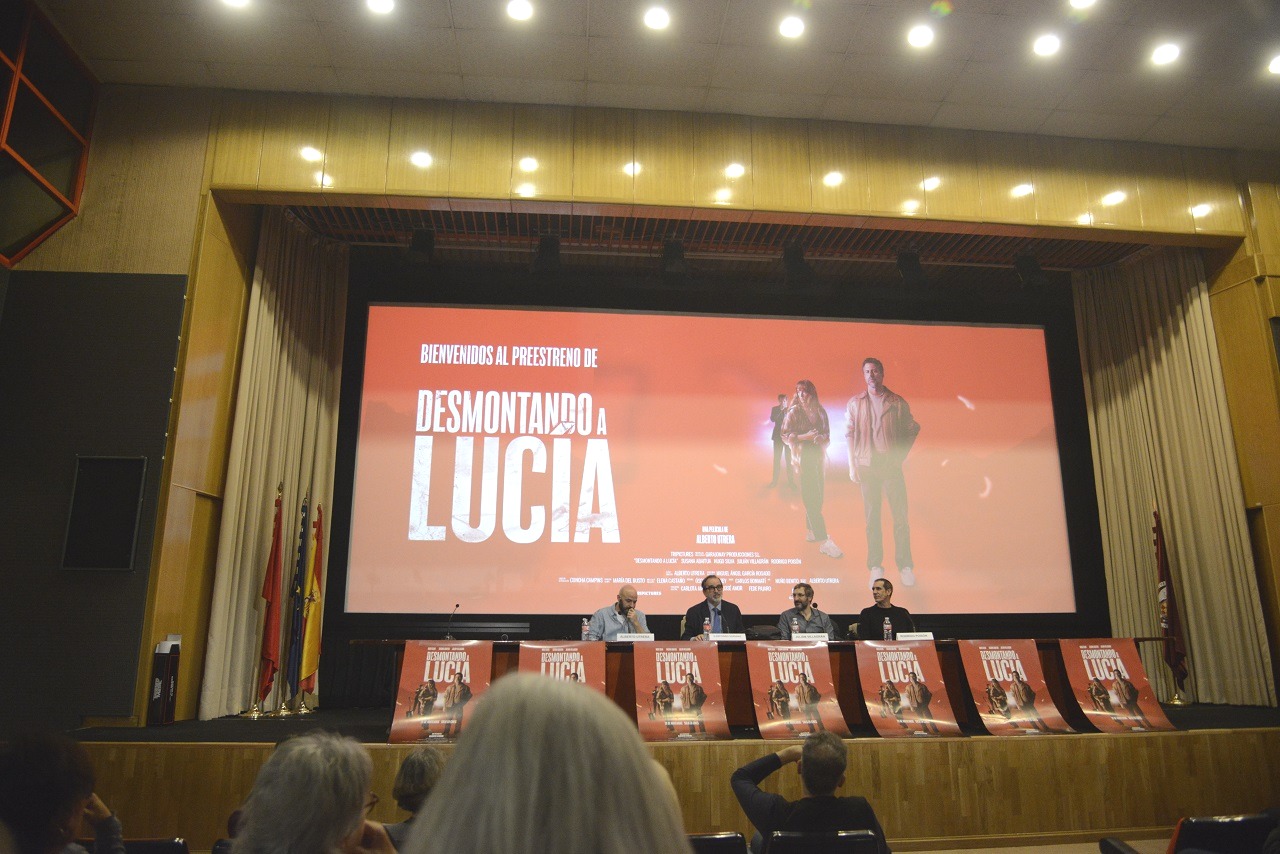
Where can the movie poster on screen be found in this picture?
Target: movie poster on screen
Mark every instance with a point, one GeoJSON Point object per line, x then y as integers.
{"type": "Point", "coordinates": [569, 661]}
{"type": "Point", "coordinates": [1008, 688]}
{"type": "Point", "coordinates": [903, 689]}
{"type": "Point", "coordinates": [792, 689]}
{"type": "Point", "coordinates": [1110, 684]}
{"type": "Point", "coordinates": [439, 681]}
{"type": "Point", "coordinates": [678, 696]}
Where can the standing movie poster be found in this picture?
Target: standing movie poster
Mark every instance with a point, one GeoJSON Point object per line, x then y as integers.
{"type": "Point", "coordinates": [569, 661]}
{"type": "Point", "coordinates": [678, 693]}
{"type": "Point", "coordinates": [1111, 685]}
{"type": "Point", "coordinates": [903, 689]}
{"type": "Point", "coordinates": [792, 689]}
{"type": "Point", "coordinates": [438, 682]}
{"type": "Point", "coordinates": [1008, 687]}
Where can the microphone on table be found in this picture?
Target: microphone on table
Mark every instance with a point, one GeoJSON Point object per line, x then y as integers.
{"type": "Point", "coordinates": [448, 628]}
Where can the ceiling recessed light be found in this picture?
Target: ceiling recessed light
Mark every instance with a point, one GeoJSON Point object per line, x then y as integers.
{"type": "Point", "coordinates": [236, 4]}
{"type": "Point", "coordinates": [324, 179]}
{"type": "Point", "coordinates": [833, 179]}
{"type": "Point", "coordinates": [657, 18]}
{"type": "Point", "coordinates": [528, 164]}
{"type": "Point", "coordinates": [735, 170]}
{"type": "Point", "coordinates": [1201, 210]}
{"type": "Point", "coordinates": [1085, 219]}
{"type": "Point", "coordinates": [1047, 45]}
{"type": "Point", "coordinates": [526, 190]}
{"type": "Point", "coordinates": [910, 206]}
{"type": "Point", "coordinates": [792, 27]}
{"type": "Point", "coordinates": [421, 159]}
{"type": "Point", "coordinates": [1115, 197]}
{"type": "Point", "coordinates": [931, 183]}
{"type": "Point", "coordinates": [920, 35]}
{"type": "Point", "coordinates": [1022, 190]}
{"type": "Point", "coordinates": [1165, 53]}
{"type": "Point", "coordinates": [521, 10]}
{"type": "Point", "coordinates": [633, 168]}
{"type": "Point", "coordinates": [723, 195]}
{"type": "Point", "coordinates": [381, 7]}
{"type": "Point", "coordinates": [1082, 4]}
{"type": "Point", "coordinates": [1274, 67]}
{"type": "Point", "coordinates": [311, 155]}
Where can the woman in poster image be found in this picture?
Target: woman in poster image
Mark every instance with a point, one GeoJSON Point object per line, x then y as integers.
{"type": "Point", "coordinates": [807, 431]}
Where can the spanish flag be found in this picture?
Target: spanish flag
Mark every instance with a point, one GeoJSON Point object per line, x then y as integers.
{"type": "Point", "coordinates": [312, 609]}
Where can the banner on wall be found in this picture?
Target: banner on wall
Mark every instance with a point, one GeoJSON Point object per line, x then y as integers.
{"type": "Point", "coordinates": [792, 689]}
{"type": "Point", "coordinates": [1111, 686]}
{"type": "Point", "coordinates": [569, 661]}
{"type": "Point", "coordinates": [1009, 688]}
{"type": "Point", "coordinates": [903, 688]}
{"type": "Point", "coordinates": [438, 682]}
{"type": "Point", "coordinates": [678, 695]}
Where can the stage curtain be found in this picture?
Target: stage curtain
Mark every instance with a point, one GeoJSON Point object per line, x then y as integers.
{"type": "Point", "coordinates": [285, 431]}
{"type": "Point", "coordinates": [1162, 438]}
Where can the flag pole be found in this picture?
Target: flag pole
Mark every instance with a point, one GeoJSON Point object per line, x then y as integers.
{"type": "Point", "coordinates": [255, 711]}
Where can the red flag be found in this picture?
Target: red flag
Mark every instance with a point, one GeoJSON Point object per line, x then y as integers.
{"type": "Point", "coordinates": [270, 655]}
{"type": "Point", "coordinates": [1175, 652]}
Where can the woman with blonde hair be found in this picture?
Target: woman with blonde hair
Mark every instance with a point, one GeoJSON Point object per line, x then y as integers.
{"type": "Point", "coordinates": [549, 766]}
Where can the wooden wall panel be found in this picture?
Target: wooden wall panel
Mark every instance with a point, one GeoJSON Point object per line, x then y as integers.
{"type": "Point", "coordinates": [294, 122]}
{"type": "Point", "coordinates": [950, 187]}
{"type": "Point", "coordinates": [718, 143]}
{"type": "Point", "coordinates": [780, 166]}
{"type": "Point", "coordinates": [664, 150]}
{"type": "Point", "coordinates": [544, 134]}
{"type": "Point", "coordinates": [1210, 182]}
{"type": "Point", "coordinates": [1007, 178]}
{"type": "Point", "coordinates": [1062, 194]}
{"type": "Point", "coordinates": [893, 180]}
{"type": "Point", "coordinates": [481, 151]}
{"type": "Point", "coordinates": [841, 148]}
{"type": "Point", "coordinates": [420, 127]}
{"type": "Point", "coordinates": [928, 794]}
{"type": "Point", "coordinates": [357, 144]}
{"type": "Point", "coordinates": [237, 139]}
{"type": "Point", "coordinates": [603, 143]}
{"type": "Point", "coordinates": [1106, 172]}
{"type": "Point", "coordinates": [1164, 198]}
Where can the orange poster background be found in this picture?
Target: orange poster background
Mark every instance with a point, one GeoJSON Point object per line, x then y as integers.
{"type": "Point", "coordinates": [782, 715]}
{"type": "Point", "coordinates": [435, 722]}
{"type": "Point", "coordinates": [669, 720]}
{"type": "Point", "coordinates": [585, 661]}
{"type": "Point", "coordinates": [1090, 664]}
{"type": "Point", "coordinates": [890, 662]}
{"type": "Point", "coordinates": [687, 402]}
{"type": "Point", "coordinates": [1002, 659]}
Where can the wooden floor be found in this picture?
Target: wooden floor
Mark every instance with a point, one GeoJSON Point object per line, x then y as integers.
{"type": "Point", "coordinates": [930, 794]}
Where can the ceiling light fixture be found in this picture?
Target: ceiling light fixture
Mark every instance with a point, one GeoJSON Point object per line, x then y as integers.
{"type": "Point", "coordinates": [1082, 4]}
{"type": "Point", "coordinates": [421, 159]}
{"type": "Point", "coordinates": [521, 10]}
{"type": "Point", "coordinates": [833, 179]}
{"type": "Point", "coordinates": [1047, 45]}
{"type": "Point", "coordinates": [931, 183]}
{"type": "Point", "coordinates": [791, 27]}
{"type": "Point", "coordinates": [657, 18]}
{"type": "Point", "coordinates": [1201, 210]}
{"type": "Point", "coordinates": [735, 170]}
{"type": "Point", "coordinates": [236, 4]}
{"type": "Point", "coordinates": [1165, 53]}
{"type": "Point", "coordinates": [1274, 67]}
{"type": "Point", "coordinates": [381, 7]}
{"type": "Point", "coordinates": [1115, 197]}
{"type": "Point", "coordinates": [1022, 190]}
{"type": "Point", "coordinates": [311, 155]}
{"type": "Point", "coordinates": [633, 168]}
{"type": "Point", "coordinates": [528, 164]}
{"type": "Point", "coordinates": [920, 35]}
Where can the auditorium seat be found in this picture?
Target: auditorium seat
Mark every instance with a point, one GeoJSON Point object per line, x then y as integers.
{"type": "Point", "coordinates": [718, 843]}
{"type": "Point", "coordinates": [839, 842]}
{"type": "Point", "coordinates": [147, 846]}
{"type": "Point", "coordinates": [1223, 834]}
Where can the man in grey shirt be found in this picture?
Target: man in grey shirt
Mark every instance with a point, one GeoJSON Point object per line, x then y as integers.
{"type": "Point", "coordinates": [807, 618]}
{"type": "Point", "coordinates": [618, 618]}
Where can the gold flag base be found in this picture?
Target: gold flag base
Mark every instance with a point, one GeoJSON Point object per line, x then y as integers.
{"type": "Point", "coordinates": [1178, 700]}
{"type": "Point", "coordinates": [283, 712]}
{"type": "Point", "coordinates": [254, 713]}
{"type": "Point", "coordinates": [303, 708]}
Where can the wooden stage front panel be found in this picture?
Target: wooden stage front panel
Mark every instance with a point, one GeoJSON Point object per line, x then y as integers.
{"type": "Point", "coordinates": [928, 793]}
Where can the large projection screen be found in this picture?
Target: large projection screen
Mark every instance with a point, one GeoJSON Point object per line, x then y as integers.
{"type": "Point", "coordinates": [529, 462]}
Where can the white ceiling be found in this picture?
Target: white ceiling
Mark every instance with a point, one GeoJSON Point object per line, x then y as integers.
{"type": "Point", "coordinates": [725, 56]}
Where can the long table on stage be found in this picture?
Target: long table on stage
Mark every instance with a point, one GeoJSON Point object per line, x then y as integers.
{"type": "Point", "coordinates": [980, 791]}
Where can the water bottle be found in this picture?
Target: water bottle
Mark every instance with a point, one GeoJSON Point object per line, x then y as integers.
{"type": "Point", "coordinates": [586, 629]}
{"type": "Point", "coordinates": [795, 626]}
{"type": "Point", "coordinates": [706, 626]}
{"type": "Point", "coordinates": [888, 629]}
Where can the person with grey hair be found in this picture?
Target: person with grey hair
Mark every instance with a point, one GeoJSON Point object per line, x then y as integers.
{"type": "Point", "coordinates": [549, 766]}
{"type": "Point", "coordinates": [313, 796]}
{"type": "Point", "coordinates": [418, 775]}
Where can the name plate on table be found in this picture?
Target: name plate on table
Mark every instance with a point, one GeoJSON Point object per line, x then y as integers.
{"type": "Point", "coordinates": [915, 636]}
{"type": "Point", "coordinates": [810, 636]}
{"type": "Point", "coordinates": [729, 636]}
{"type": "Point", "coordinates": [635, 636]}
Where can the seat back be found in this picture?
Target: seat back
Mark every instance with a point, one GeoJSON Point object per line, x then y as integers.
{"type": "Point", "coordinates": [718, 843]}
{"type": "Point", "coordinates": [1226, 834]}
{"type": "Point", "coordinates": [170, 845]}
{"type": "Point", "coordinates": [836, 842]}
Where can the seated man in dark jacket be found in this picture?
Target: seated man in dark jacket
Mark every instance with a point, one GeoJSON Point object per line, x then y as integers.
{"type": "Point", "coordinates": [822, 761]}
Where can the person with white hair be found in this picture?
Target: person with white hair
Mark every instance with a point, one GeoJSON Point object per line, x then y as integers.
{"type": "Point", "coordinates": [312, 797]}
{"type": "Point", "coordinates": [549, 766]}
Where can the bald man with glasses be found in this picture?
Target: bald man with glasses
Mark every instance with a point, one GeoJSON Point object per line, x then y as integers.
{"type": "Point", "coordinates": [724, 616]}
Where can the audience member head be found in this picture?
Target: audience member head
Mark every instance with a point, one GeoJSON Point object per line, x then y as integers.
{"type": "Point", "coordinates": [549, 766]}
{"type": "Point", "coordinates": [46, 780]}
{"type": "Point", "coordinates": [418, 774]}
{"type": "Point", "coordinates": [822, 762]}
{"type": "Point", "coordinates": [310, 796]}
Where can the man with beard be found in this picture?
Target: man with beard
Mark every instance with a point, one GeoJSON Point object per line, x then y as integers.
{"type": "Point", "coordinates": [724, 616]}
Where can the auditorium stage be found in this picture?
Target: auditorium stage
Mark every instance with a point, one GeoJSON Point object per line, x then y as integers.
{"type": "Point", "coordinates": [978, 791]}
